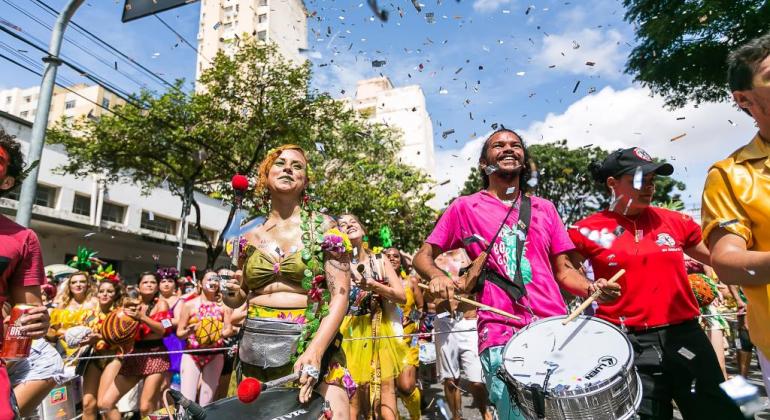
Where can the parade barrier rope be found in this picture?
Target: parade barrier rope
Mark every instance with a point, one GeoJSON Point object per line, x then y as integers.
{"type": "Point", "coordinates": [221, 349]}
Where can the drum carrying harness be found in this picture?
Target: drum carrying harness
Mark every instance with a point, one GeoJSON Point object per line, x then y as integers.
{"type": "Point", "coordinates": [516, 289]}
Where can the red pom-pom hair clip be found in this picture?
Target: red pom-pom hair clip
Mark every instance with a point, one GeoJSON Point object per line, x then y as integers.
{"type": "Point", "coordinates": [239, 183]}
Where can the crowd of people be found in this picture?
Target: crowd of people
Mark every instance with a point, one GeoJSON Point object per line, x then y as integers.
{"type": "Point", "coordinates": [313, 295]}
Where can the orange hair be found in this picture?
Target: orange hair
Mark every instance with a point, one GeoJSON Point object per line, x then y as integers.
{"type": "Point", "coordinates": [269, 160]}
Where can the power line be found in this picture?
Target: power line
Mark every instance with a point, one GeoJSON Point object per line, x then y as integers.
{"type": "Point", "coordinates": [181, 37]}
{"type": "Point", "coordinates": [85, 50]}
{"type": "Point", "coordinates": [40, 73]}
{"type": "Point", "coordinates": [106, 45]}
{"type": "Point", "coordinates": [87, 74]}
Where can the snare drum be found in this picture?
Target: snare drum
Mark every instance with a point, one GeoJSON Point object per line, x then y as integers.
{"type": "Point", "coordinates": [582, 370]}
{"type": "Point", "coordinates": [272, 404]}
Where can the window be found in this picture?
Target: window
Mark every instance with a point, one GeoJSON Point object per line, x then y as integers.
{"type": "Point", "coordinates": [69, 104]}
{"type": "Point", "coordinates": [105, 103]}
{"type": "Point", "coordinates": [262, 35]}
{"type": "Point", "coordinates": [27, 99]}
{"type": "Point", "coordinates": [263, 2]}
{"type": "Point", "coordinates": [159, 224]}
{"type": "Point", "coordinates": [45, 196]}
{"type": "Point", "coordinates": [13, 194]}
{"type": "Point", "coordinates": [192, 233]}
{"type": "Point", "coordinates": [262, 18]}
{"type": "Point", "coordinates": [24, 114]}
{"type": "Point", "coordinates": [113, 213]}
{"type": "Point", "coordinates": [82, 205]}
{"type": "Point", "coordinates": [8, 99]}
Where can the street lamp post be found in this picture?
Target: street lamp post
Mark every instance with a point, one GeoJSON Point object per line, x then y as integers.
{"type": "Point", "coordinates": [37, 141]}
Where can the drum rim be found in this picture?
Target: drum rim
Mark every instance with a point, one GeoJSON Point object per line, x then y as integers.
{"type": "Point", "coordinates": [628, 367]}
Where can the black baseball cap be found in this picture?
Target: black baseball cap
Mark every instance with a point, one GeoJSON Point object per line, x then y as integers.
{"type": "Point", "coordinates": [625, 161]}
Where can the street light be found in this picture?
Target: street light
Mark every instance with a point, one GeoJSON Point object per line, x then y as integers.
{"type": "Point", "coordinates": [37, 141]}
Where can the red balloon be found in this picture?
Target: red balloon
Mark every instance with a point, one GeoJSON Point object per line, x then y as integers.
{"type": "Point", "coordinates": [249, 390]}
{"type": "Point", "coordinates": [239, 182]}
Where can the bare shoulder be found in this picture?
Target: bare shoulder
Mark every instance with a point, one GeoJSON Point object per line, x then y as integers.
{"type": "Point", "coordinates": [161, 306]}
{"type": "Point", "coordinates": [328, 222]}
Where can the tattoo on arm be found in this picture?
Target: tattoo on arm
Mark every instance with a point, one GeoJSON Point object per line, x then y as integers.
{"type": "Point", "coordinates": [333, 270]}
{"type": "Point", "coordinates": [341, 266]}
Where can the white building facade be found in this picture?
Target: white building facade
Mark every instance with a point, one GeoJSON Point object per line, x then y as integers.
{"type": "Point", "coordinates": [79, 100]}
{"type": "Point", "coordinates": [402, 108]}
{"type": "Point", "coordinates": [127, 228]}
{"type": "Point", "coordinates": [223, 24]}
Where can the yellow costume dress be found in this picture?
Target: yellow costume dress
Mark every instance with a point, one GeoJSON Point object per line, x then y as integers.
{"type": "Point", "coordinates": [372, 359]}
{"type": "Point", "coordinates": [94, 319]}
{"type": "Point", "coordinates": [410, 316]}
{"type": "Point", "coordinates": [63, 319]}
{"type": "Point", "coordinates": [410, 312]}
{"type": "Point", "coordinates": [261, 269]}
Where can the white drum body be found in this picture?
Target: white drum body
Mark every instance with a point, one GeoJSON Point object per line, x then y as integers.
{"type": "Point", "coordinates": [582, 370]}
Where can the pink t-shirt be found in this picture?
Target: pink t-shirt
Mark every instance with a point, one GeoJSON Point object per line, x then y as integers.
{"type": "Point", "coordinates": [482, 214]}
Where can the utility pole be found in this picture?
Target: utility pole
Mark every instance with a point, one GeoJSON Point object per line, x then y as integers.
{"type": "Point", "coordinates": [37, 141]}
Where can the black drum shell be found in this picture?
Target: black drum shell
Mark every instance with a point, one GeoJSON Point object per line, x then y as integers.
{"type": "Point", "coordinates": [273, 404]}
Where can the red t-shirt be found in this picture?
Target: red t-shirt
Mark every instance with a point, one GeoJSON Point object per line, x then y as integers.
{"type": "Point", "coordinates": [21, 261]}
{"type": "Point", "coordinates": [655, 289]}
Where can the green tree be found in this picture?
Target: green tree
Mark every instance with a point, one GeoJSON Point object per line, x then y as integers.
{"type": "Point", "coordinates": [247, 104]}
{"type": "Point", "coordinates": [564, 179]}
{"type": "Point", "coordinates": [682, 45]}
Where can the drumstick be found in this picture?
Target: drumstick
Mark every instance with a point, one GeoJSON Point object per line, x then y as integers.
{"type": "Point", "coordinates": [591, 298]}
{"type": "Point", "coordinates": [478, 305]}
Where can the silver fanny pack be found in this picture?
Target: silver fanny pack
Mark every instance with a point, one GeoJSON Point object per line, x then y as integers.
{"type": "Point", "coordinates": [268, 342]}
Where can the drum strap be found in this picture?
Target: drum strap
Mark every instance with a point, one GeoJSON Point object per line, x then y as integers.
{"type": "Point", "coordinates": [516, 289]}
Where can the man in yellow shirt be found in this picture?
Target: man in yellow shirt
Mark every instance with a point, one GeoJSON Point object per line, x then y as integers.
{"type": "Point", "coordinates": [736, 197]}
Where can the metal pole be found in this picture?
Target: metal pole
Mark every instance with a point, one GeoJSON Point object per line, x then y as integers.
{"type": "Point", "coordinates": [37, 141]}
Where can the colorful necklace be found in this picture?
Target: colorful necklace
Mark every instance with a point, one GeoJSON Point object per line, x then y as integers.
{"type": "Point", "coordinates": [313, 280]}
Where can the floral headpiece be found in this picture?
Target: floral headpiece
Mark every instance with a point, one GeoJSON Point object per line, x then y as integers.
{"type": "Point", "coordinates": [84, 260]}
{"type": "Point", "coordinates": [167, 273]}
{"type": "Point", "coordinates": [107, 274]}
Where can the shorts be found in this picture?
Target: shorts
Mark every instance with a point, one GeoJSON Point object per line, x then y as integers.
{"type": "Point", "coordinates": [458, 349]}
{"type": "Point", "coordinates": [743, 341]}
{"type": "Point", "coordinates": [492, 359]}
{"type": "Point", "coordinates": [43, 363]}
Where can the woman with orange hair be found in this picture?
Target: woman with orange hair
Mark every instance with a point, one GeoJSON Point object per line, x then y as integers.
{"type": "Point", "coordinates": [296, 277]}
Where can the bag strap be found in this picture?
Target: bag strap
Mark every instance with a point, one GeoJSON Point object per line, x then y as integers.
{"type": "Point", "coordinates": [494, 238]}
{"type": "Point", "coordinates": [514, 288]}
{"type": "Point", "coordinates": [525, 214]}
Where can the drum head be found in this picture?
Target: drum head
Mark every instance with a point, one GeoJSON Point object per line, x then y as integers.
{"type": "Point", "coordinates": [581, 354]}
{"type": "Point", "coordinates": [277, 403]}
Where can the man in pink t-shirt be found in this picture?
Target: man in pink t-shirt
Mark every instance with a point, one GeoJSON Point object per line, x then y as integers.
{"type": "Point", "coordinates": [544, 266]}
{"type": "Point", "coordinates": [21, 265]}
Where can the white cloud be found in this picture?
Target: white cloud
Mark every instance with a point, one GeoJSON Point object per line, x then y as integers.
{"type": "Point", "coordinates": [571, 51]}
{"type": "Point", "coordinates": [614, 119]}
{"type": "Point", "coordinates": [486, 6]}
{"type": "Point", "coordinates": [455, 165]}
{"type": "Point", "coordinates": [631, 117]}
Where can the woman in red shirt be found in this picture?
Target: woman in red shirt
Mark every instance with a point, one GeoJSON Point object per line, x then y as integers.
{"type": "Point", "coordinates": [657, 308]}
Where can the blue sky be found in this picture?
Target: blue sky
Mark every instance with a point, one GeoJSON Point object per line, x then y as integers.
{"type": "Point", "coordinates": [479, 62]}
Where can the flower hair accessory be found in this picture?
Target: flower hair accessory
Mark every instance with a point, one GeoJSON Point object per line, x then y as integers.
{"type": "Point", "coordinates": [107, 274]}
{"type": "Point", "coordinates": [84, 260]}
{"type": "Point", "coordinates": [167, 273]}
{"type": "Point", "coordinates": [336, 241]}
